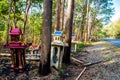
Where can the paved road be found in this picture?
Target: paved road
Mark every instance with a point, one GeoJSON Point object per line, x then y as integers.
{"type": "Point", "coordinates": [114, 41]}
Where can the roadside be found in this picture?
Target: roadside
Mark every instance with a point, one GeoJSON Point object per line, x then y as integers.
{"type": "Point", "coordinates": [101, 51]}
{"type": "Point", "coordinates": [108, 69]}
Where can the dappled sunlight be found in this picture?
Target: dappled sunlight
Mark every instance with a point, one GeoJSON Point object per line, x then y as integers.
{"type": "Point", "coordinates": [101, 42]}
{"type": "Point", "coordinates": [110, 57]}
{"type": "Point", "coordinates": [98, 49]}
{"type": "Point", "coordinates": [109, 62]}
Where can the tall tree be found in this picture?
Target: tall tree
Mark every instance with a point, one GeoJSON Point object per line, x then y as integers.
{"type": "Point", "coordinates": [57, 21]}
{"type": "Point", "coordinates": [44, 68]}
{"type": "Point", "coordinates": [26, 14]}
{"type": "Point", "coordinates": [14, 11]}
{"type": "Point", "coordinates": [68, 29]}
{"type": "Point", "coordinates": [86, 22]}
{"type": "Point", "coordinates": [62, 15]}
{"type": "Point", "coordinates": [7, 32]}
{"type": "Point", "coordinates": [83, 21]}
{"type": "Point", "coordinates": [101, 7]}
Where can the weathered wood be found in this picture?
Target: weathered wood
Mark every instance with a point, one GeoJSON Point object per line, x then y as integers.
{"type": "Point", "coordinates": [86, 64]}
{"type": "Point", "coordinates": [89, 64]}
{"type": "Point", "coordinates": [81, 73]}
{"type": "Point", "coordinates": [81, 62]}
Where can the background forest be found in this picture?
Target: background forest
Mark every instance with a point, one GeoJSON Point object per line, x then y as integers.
{"type": "Point", "coordinates": [90, 16]}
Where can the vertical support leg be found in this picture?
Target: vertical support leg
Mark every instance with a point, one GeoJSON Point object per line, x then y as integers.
{"type": "Point", "coordinates": [12, 58]}
{"type": "Point", "coordinates": [75, 47]}
{"type": "Point", "coordinates": [20, 59]}
{"type": "Point", "coordinates": [24, 61]}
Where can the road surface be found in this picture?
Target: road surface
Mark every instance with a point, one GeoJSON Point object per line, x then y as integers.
{"type": "Point", "coordinates": [114, 41]}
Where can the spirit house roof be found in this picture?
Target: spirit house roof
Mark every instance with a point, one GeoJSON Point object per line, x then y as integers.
{"type": "Point", "coordinates": [58, 33]}
{"type": "Point", "coordinates": [15, 31]}
{"type": "Point", "coordinates": [73, 35]}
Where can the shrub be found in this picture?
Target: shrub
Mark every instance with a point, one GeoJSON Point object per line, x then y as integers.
{"type": "Point", "coordinates": [80, 46]}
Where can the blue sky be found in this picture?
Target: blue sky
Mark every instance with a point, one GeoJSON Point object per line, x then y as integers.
{"type": "Point", "coordinates": [116, 16]}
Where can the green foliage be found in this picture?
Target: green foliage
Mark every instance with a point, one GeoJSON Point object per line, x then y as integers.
{"type": "Point", "coordinates": [117, 35]}
{"type": "Point", "coordinates": [2, 26]}
{"type": "Point", "coordinates": [104, 8]}
{"type": "Point", "coordinates": [113, 30]}
{"type": "Point", "coordinates": [55, 78]}
{"type": "Point", "coordinates": [34, 25]}
{"type": "Point", "coordinates": [4, 7]}
{"type": "Point", "coordinates": [72, 54]}
{"type": "Point", "coordinates": [80, 46]}
{"type": "Point", "coordinates": [62, 72]}
{"type": "Point", "coordinates": [101, 34]}
{"type": "Point", "coordinates": [109, 58]}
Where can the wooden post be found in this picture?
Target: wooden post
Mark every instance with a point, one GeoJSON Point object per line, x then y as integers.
{"type": "Point", "coordinates": [20, 60]}
{"type": "Point", "coordinates": [12, 58]}
{"type": "Point", "coordinates": [24, 61]}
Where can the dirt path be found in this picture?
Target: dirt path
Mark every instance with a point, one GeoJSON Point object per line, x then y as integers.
{"type": "Point", "coordinates": [109, 70]}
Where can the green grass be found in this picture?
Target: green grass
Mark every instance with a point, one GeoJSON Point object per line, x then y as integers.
{"type": "Point", "coordinates": [109, 58]}
{"type": "Point", "coordinates": [80, 46]}
{"type": "Point", "coordinates": [55, 78]}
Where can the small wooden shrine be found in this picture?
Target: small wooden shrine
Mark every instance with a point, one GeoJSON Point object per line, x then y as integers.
{"type": "Point", "coordinates": [57, 49]}
{"type": "Point", "coordinates": [34, 48]}
{"type": "Point", "coordinates": [17, 48]}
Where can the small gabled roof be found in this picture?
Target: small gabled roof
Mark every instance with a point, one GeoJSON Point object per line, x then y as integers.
{"type": "Point", "coordinates": [73, 35]}
{"type": "Point", "coordinates": [15, 31]}
{"type": "Point", "coordinates": [58, 33]}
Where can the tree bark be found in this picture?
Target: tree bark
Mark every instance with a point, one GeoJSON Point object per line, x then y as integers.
{"type": "Point", "coordinates": [62, 15]}
{"type": "Point", "coordinates": [26, 15]}
{"type": "Point", "coordinates": [86, 22]}
{"type": "Point", "coordinates": [14, 20]}
{"type": "Point", "coordinates": [83, 24]}
{"type": "Point", "coordinates": [7, 32]}
{"type": "Point", "coordinates": [57, 21]}
{"type": "Point", "coordinates": [97, 7]}
{"type": "Point", "coordinates": [44, 67]}
{"type": "Point", "coordinates": [68, 29]}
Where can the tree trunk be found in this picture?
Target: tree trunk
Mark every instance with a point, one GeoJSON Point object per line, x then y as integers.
{"type": "Point", "coordinates": [14, 20]}
{"type": "Point", "coordinates": [57, 21]}
{"type": "Point", "coordinates": [7, 32]}
{"type": "Point", "coordinates": [82, 24]}
{"type": "Point", "coordinates": [62, 15]}
{"type": "Point", "coordinates": [68, 29]}
{"type": "Point", "coordinates": [93, 23]}
{"type": "Point", "coordinates": [86, 22]}
{"type": "Point", "coordinates": [44, 67]}
{"type": "Point", "coordinates": [26, 15]}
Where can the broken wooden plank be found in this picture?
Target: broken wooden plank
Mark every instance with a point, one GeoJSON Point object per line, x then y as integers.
{"type": "Point", "coordinates": [89, 64]}
{"type": "Point", "coordinates": [81, 62]}
{"type": "Point", "coordinates": [85, 63]}
{"type": "Point", "coordinates": [81, 73]}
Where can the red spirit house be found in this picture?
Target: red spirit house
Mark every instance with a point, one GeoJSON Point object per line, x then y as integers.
{"type": "Point", "coordinates": [17, 48]}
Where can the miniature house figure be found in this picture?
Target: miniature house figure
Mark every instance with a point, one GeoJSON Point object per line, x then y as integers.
{"type": "Point", "coordinates": [58, 36]}
{"type": "Point", "coordinates": [57, 49]}
{"type": "Point", "coordinates": [34, 48]}
{"type": "Point", "coordinates": [17, 49]}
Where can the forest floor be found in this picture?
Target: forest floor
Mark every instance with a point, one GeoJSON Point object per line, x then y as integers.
{"type": "Point", "coordinates": [107, 67]}
{"type": "Point", "coordinates": [106, 57]}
